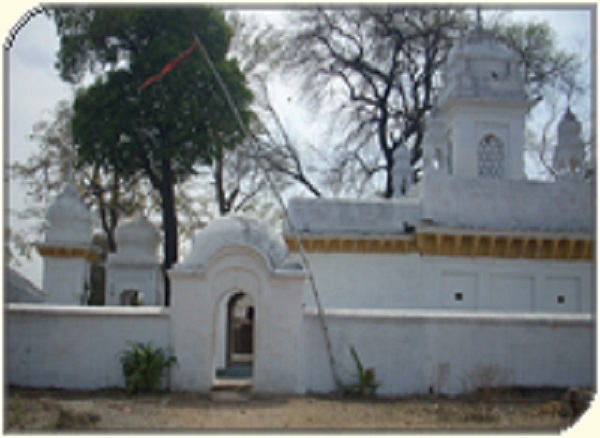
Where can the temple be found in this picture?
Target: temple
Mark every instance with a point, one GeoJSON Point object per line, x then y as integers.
{"type": "Point", "coordinates": [470, 266]}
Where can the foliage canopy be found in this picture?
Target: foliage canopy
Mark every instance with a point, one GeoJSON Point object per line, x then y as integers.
{"type": "Point", "coordinates": [165, 130]}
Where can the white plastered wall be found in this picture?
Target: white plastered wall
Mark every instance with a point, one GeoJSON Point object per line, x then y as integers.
{"type": "Point", "coordinates": [509, 285]}
{"type": "Point", "coordinates": [76, 347]}
{"type": "Point", "coordinates": [145, 278]}
{"type": "Point", "coordinates": [412, 281]}
{"type": "Point", "coordinates": [64, 279]}
{"type": "Point", "coordinates": [420, 352]}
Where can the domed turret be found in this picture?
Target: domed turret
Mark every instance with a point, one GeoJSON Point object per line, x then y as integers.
{"type": "Point", "coordinates": [236, 231]}
{"type": "Point", "coordinates": [137, 236]}
{"type": "Point", "coordinates": [69, 219]}
{"type": "Point", "coordinates": [133, 274]}
{"type": "Point", "coordinates": [569, 156]}
{"type": "Point", "coordinates": [482, 66]}
{"type": "Point", "coordinates": [484, 104]}
{"type": "Point", "coordinates": [436, 143]}
{"type": "Point", "coordinates": [67, 249]}
{"type": "Point", "coordinates": [403, 172]}
{"type": "Point", "coordinates": [569, 129]}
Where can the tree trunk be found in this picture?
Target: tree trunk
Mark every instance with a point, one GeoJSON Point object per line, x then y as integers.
{"type": "Point", "coordinates": [389, 179]}
{"type": "Point", "coordinates": [113, 214]}
{"type": "Point", "coordinates": [219, 185]}
{"type": "Point", "coordinates": [389, 171]}
{"type": "Point", "coordinates": [169, 224]}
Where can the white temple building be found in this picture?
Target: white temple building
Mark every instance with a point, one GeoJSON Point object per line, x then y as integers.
{"type": "Point", "coordinates": [475, 266]}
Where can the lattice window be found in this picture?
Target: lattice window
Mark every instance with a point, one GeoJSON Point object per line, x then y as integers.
{"type": "Point", "coordinates": [490, 157]}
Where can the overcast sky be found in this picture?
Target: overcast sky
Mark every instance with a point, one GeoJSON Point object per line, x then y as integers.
{"type": "Point", "coordinates": [34, 87]}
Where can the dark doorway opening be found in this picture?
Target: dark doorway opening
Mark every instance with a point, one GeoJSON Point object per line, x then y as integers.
{"type": "Point", "coordinates": [239, 329]}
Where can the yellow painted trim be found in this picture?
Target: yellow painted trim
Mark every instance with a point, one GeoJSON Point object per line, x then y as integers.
{"type": "Point", "coordinates": [54, 251]}
{"type": "Point", "coordinates": [455, 244]}
{"type": "Point", "coordinates": [353, 245]}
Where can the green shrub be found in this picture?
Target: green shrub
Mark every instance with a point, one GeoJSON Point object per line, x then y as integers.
{"type": "Point", "coordinates": [366, 384]}
{"type": "Point", "coordinates": [143, 367]}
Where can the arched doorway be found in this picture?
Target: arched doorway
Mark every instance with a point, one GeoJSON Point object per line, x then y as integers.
{"type": "Point", "coordinates": [238, 338]}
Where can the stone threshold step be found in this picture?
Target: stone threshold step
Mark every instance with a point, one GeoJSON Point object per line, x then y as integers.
{"type": "Point", "coordinates": [229, 395]}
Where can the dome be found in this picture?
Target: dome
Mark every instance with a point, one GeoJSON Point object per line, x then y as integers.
{"type": "Point", "coordinates": [569, 128]}
{"type": "Point", "coordinates": [236, 230]}
{"type": "Point", "coordinates": [69, 219]}
{"type": "Point", "coordinates": [483, 66]}
{"type": "Point", "coordinates": [482, 44]}
{"type": "Point", "coordinates": [569, 154]}
{"type": "Point", "coordinates": [68, 206]}
{"type": "Point", "coordinates": [137, 235]}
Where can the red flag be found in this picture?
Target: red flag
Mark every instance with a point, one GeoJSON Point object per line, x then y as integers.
{"type": "Point", "coordinates": [170, 66]}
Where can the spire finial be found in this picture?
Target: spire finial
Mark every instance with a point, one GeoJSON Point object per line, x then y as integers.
{"type": "Point", "coordinates": [68, 167]}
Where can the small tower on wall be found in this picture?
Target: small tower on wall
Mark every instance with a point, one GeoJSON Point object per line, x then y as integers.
{"type": "Point", "coordinates": [484, 104]}
{"type": "Point", "coordinates": [133, 273]}
{"type": "Point", "coordinates": [67, 250]}
{"type": "Point", "coordinates": [403, 172]}
{"type": "Point", "coordinates": [437, 149]}
{"type": "Point", "coordinates": [569, 156]}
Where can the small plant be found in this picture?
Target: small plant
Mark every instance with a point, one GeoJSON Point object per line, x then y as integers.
{"type": "Point", "coordinates": [143, 367]}
{"type": "Point", "coordinates": [481, 385]}
{"type": "Point", "coordinates": [484, 381]}
{"type": "Point", "coordinates": [366, 384]}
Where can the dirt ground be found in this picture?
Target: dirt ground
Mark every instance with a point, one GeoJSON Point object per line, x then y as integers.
{"type": "Point", "coordinates": [112, 410]}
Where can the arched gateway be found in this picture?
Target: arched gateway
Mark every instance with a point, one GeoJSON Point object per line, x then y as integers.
{"type": "Point", "coordinates": [237, 310]}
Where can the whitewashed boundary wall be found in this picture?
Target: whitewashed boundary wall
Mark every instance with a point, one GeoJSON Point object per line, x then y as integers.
{"type": "Point", "coordinates": [411, 351]}
{"type": "Point", "coordinates": [75, 347]}
{"type": "Point", "coordinates": [508, 205]}
{"type": "Point", "coordinates": [423, 351]}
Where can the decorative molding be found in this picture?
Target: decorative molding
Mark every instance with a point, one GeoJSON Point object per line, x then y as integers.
{"type": "Point", "coordinates": [69, 252]}
{"type": "Point", "coordinates": [505, 246]}
{"type": "Point", "coordinates": [456, 244]}
{"type": "Point", "coordinates": [382, 245]}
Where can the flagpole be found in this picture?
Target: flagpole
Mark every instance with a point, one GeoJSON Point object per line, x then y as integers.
{"type": "Point", "coordinates": [295, 232]}
{"type": "Point", "coordinates": [223, 87]}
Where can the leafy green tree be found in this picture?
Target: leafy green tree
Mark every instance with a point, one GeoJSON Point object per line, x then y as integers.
{"type": "Point", "coordinates": [166, 130]}
{"type": "Point", "coordinates": [45, 171]}
{"type": "Point", "coordinates": [545, 66]}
